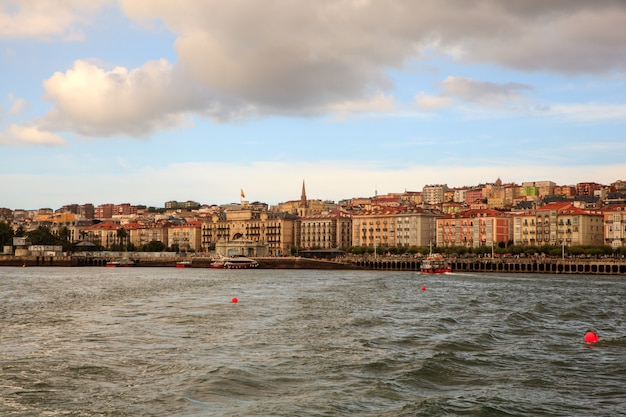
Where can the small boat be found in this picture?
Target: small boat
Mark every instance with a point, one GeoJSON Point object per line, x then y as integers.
{"type": "Point", "coordinates": [183, 264]}
{"type": "Point", "coordinates": [122, 263]}
{"type": "Point", "coordinates": [234, 262]}
{"type": "Point", "coordinates": [435, 264]}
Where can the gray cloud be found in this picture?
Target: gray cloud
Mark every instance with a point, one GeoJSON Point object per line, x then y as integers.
{"type": "Point", "coordinates": [308, 54]}
{"type": "Point", "coordinates": [483, 92]}
{"type": "Point", "coordinates": [241, 58]}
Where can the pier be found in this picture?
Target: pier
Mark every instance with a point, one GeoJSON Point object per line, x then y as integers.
{"type": "Point", "coordinates": [601, 266]}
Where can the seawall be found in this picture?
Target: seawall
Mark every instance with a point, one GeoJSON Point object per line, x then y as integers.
{"type": "Point", "coordinates": [592, 266]}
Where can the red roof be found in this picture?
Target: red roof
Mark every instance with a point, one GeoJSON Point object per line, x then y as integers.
{"type": "Point", "coordinates": [104, 226]}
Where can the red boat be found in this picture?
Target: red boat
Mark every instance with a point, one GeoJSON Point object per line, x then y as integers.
{"type": "Point", "coordinates": [118, 264]}
{"type": "Point", "coordinates": [435, 264]}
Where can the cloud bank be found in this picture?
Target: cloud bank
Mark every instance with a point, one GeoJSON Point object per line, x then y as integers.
{"type": "Point", "coordinates": [243, 59]}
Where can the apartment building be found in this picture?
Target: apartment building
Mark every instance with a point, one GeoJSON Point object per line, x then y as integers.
{"type": "Point", "coordinates": [395, 226]}
{"type": "Point", "coordinates": [615, 226]}
{"type": "Point", "coordinates": [187, 236]}
{"type": "Point", "coordinates": [473, 195]}
{"type": "Point", "coordinates": [587, 188]}
{"type": "Point", "coordinates": [149, 232]}
{"type": "Point", "coordinates": [434, 194]}
{"type": "Point", "coordinates": [325, 231]}
{"type": "Point", "coordinates": [559, 224]}
{"type": "Point", "coordinates": [103, 234]}
{"type": "Point", "coordinates": [475, 228]}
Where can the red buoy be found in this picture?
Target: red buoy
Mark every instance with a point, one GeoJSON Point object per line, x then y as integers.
{"type": "Point", "coordinates": [423, 287]}
{"type": "Point", "coordinates": [234, 300]}
{"type": "Point", "coordinates": [591, 337]}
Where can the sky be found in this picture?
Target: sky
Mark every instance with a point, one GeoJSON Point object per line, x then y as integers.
{"type": "Point", "coordinates": [147, 101]}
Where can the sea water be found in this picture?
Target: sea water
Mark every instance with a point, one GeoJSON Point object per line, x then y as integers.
{"type": "Point", "coordinates": [98, 341]}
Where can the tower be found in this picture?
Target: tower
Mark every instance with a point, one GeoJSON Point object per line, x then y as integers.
{"type": "Point", "coordinates": [303, 207]}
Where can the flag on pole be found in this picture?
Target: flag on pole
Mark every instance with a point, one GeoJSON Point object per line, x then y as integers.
{"type": "Point", "coordinates": [242, 194]}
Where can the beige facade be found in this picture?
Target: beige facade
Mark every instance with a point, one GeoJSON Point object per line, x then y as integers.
{"type": "Point", "coordinates": [104, 234]}
{"type": "Point", "coordinates": [615, 226]}
{"type": "Point", "coordinates": [276, 230]}
{"type": "Point", "coordinates": [395, 226]}
{"type": "Point", "coordinates": [153, 232]}
{"type": "Point", "coordinates": [434, 194]}
{"type": "Point", "coordinates": [475, 228]}
{"type": "Point", "coordinates": [559, 224]}
{"type": "Point", "coordinates": [187, 236]}
{"type": "Point", "coordinates": [325, 231]}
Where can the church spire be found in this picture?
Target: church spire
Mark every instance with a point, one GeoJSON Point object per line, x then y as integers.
{"type": "Point", "coordinates": [303, 202]}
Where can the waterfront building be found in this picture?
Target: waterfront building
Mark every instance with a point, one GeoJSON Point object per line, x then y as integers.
{"type": "Point", "coordinates": [103, 234]}
{"type": "Point", "coordinates": [559, 224]}
{"type": "Point", "coordinates": [149, 232]}
{"type": "Point", "coordinates": [330, 230]}
{"type": "Point", "coordinates": [274, 229]}
{"type": "Point", "coordinates": [615, 226]}
{"type": "Point", "coordinates": [394, 226]}
{"type": "Point", "coordinates": [475, 228]}
{"type": "Point", "coordinates": [187, 236]}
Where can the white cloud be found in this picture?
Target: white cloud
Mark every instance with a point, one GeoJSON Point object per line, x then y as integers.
{"type": "Point", "coordinates": [29, 135]}
{"type": "Point", "coordinates": [18, 106]}
{"type": "Point", "coordinates": [483, 92]}
{"type": "Point", "coordinates": [380, 103]}
{"type": "Point", "coordinates": [590, 112]}
{"type": "Point", "coordinates": [46, 20]}
{"type": "Point", "coordinates": [244, 59]}
{"type": "Point", "coordinates": [95, 102]}
{"type": "Point", "coordinates": [426, 102]}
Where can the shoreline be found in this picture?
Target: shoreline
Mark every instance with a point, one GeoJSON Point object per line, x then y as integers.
{"type": "Point", "coordinates": [572, 266]}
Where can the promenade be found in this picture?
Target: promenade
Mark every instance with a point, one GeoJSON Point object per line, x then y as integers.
{"type": "Point", "coordinates": [589, 266]}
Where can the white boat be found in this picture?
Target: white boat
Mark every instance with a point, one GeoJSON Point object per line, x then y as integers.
{"type": "Point", "coordinates": [234, 262]}
{"type": "Point", "coordinates": [117, 264]}
{"type": "Point", "coordinates": [435, 264]}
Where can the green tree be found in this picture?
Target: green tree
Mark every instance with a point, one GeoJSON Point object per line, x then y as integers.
{"type": "Point", "coordinates": [42, 236]}
{"type": "Point", "coordinates": [20, 232]}
{"type": "Point", "coordinates": [122, 236]}
{"type": "Point", "coordinates": [6, 234]}
{"type": "Point", "coordinates": [154, 246]}
{"type": "Point", "coordinates": [64, 234]}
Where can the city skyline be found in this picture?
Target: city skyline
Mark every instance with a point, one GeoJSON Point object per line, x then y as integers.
{"type": "Point", "coordinates": [539, 185]}
{"type": "Point", "coordinates": [144, 102]}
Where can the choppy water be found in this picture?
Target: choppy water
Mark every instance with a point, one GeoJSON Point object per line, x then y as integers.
{"type": "Point", "coordinates": [169, 342]}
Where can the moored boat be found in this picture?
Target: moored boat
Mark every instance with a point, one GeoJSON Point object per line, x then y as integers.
{"type": "Point", "coordinates": [435, 264]}
{"type": "Point", "coordinates": [122, 263]}
{"type": "Point", "coordinates": [183, 264]}
{"type": "Point", "coordinates": [234, 262]}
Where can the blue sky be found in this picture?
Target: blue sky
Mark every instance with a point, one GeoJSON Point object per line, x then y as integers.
{"type": "Point", "coordinates": [145, 101]}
